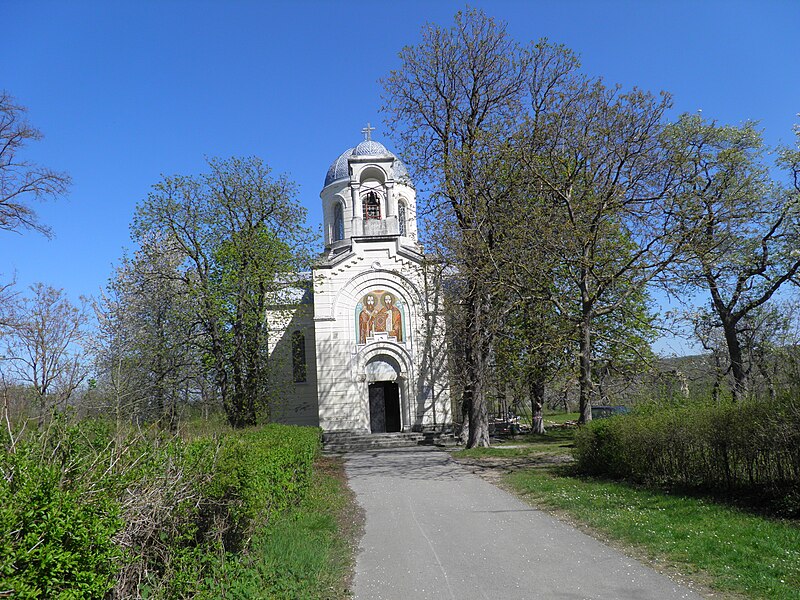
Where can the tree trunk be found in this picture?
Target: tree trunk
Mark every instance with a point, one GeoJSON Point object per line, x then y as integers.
{"type": "Point", "coordinates": [463, 433]}
{"type": "Point", "coordinates": [475, 367]}
{"type": "Point", "coordinates": [537, 404]}
{"type": "Point", "coordinates": [478, 418]}
{"type": "Point", "coordinates": [585, 406]}
{"type": "Point", "coordinates": [737, 362]}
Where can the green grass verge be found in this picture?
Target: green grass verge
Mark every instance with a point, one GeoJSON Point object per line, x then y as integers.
{"type": "Point", "coordinates": [739, 552]}
{"type": "Point", "coordinates": [560, 417]}
{"type": "Point", "coordinates": [304, 553]}
{"type": "Point", "coordinates": [555, 441]}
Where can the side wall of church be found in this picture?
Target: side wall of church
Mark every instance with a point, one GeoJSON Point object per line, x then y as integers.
{"type": "Point", "coordinates": [293, 365]}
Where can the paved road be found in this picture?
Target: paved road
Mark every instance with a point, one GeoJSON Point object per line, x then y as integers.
{"type": "Point", "coordinates": [434, 530]}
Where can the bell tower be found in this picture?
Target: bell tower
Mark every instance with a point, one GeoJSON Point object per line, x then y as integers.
{"type": "Point", "coordinates": [379, 333]}
{"type": "Point", "coordinates": [368, 194]}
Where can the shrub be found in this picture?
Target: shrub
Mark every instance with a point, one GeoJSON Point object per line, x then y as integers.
{"type": "Point", "coordinates": [751, 446]}
{"type": "Point", "coordinates": [87, 511]}
{"type": "Point", "coordinates": [204, 512]}
{"type": "Point", "coordinates": [57, 515]}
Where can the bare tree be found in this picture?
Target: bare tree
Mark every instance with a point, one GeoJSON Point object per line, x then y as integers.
{"type": "Point", "coordinates": [22, 181]}
{"type": "Point", "coordinates": [7, 295]}
{"type": "Point", "coordinates": [147, 353]}
{"type": "Point", "coordinates": [44, 346]}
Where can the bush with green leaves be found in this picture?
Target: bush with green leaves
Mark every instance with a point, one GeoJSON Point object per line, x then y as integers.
{"type": "Point", "coordinates": [58, 514]}
{"type": "Point", "coordinates": [751, 446]}
{"type": "Point", "coordinates": [88, 511]}
{"type": "Point", "coordinates": [219, 489]}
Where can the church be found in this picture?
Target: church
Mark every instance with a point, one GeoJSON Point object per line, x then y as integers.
{"type": "Point", "coordinates": [360, 345]}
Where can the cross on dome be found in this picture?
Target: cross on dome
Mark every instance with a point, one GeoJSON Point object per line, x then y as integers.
{"type": "Point", "coordinates": [367, 131]}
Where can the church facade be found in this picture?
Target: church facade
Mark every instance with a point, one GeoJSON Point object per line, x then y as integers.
{"type": "Point", "coordinates": [363, 342]}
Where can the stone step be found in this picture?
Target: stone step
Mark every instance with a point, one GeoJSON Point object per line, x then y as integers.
{"type": "Point", "coordinates": [354, 441]}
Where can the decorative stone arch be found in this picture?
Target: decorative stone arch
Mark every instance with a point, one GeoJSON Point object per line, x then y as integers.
{"type": "Point", "coordinates": [348, 296]}
{"type": "Point", "coordinates": [402, 216]}
{"type": "Point", "coordinates": [373, 171]}
{"type": "Point", "coordinates": [399, 360]}
{"type": "Point", "coordinates": [331, 202]}
{"type": "Point", "coordinates": [340, 198]}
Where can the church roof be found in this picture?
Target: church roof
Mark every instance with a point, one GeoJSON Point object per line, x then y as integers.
{"type": "Point", "coordinates": [371, 148]}
{"type": "Point", "coordinates": [339, 169]}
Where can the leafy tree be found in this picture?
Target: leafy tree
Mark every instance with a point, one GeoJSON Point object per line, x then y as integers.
{"type": "Point", "coordinates": [240, 235]}
{"type": "Point", "coordinates": [740, 227]}
{"type": "Point", "coordinates": [22, 181]}
{"type": "Point", "coordinates": [532, 349]}
{"type": "Point", "coordinates": [243, 280]}
{"type": "Point", "coordinates": [599, 204]}
{"type": "Point", "coordinates": [451, 106]}
{"type": "Point", "coordinates": [551, 187]}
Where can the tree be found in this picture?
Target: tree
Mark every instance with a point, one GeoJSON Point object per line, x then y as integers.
{"type": "Point", "coordinates": [147, 355]}
{"type": "Point", "coordinates": [532, 349]}
{"type": "Point", "coordinates": [789, 158]}
{"type": "Point", "coordinates": [22, 181]}
{"type": "Point", "coordinates": [7, 295]}
{"type": "Point", "coordinates": [599, 203]}
{"type": "Point", "coordinates": [241, 236]}
{"type": "Point", "coordinates": [45, 345]}
{"type": "Point", "coordinates": [740, 227]}
{"type": "Point", "coordinates": [450, 107]}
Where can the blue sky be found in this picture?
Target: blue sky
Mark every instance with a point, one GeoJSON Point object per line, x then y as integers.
{"type": "Point", "coordinates": [126, 91]}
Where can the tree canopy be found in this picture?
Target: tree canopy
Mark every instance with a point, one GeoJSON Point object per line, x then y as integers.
{"type": "Point", "coordinates": [238, 235]}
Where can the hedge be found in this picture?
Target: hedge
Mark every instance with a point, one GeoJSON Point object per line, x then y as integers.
{"type": "Point", "coordinates": [751, 446]}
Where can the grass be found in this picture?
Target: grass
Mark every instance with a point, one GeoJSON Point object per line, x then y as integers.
{"type": "Point", "coordinates": [306, 553]}
{"type": "Point", "coordinates": [555, 441]}
{"type": "Point", "coordinates": [736, 552]}
{"type": "Point", "coordinates": [560, 417]}
{"type": "Point", "coordinates": [731, 550]}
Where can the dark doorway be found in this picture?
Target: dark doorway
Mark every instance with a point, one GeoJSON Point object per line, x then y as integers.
{"type": "Point", "coordinates": [384, 407]}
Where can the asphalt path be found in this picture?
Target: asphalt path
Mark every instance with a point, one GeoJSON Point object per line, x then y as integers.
{"type": "Point", "coordinates": [435, 530]}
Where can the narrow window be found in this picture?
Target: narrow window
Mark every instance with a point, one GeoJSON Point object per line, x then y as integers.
{"type": "Point", "coordinates": [372, 206]}
{"type": "Point", "coordinates": [401, 217]}
{"type": "Point", "coordinates": [298, 357]}
{"type": "Point", "coordinates": [338, 223]}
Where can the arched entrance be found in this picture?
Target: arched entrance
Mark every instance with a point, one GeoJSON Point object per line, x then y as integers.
{"type": "Point", "coordinates": [384, 407]}
{"type": "Point", "coordinates": [384, 394]}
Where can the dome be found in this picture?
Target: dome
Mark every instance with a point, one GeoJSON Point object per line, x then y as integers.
{"type": "Point", "coordinates": [371, 148]}
{"type": "Point", "coordinates": [339, 169]}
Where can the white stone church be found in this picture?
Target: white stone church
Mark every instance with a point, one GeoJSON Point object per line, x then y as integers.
{"type": "Point", "coordinates": [363, 343]}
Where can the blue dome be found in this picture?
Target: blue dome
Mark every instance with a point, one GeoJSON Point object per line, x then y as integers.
{"type": "Point", "coordinates": [371, 148]}
{"type": "Point", "coordinates": [340, 168]}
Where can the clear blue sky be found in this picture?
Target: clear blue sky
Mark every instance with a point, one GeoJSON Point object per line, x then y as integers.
{"type": "Point", "coordinates": [126, 91]}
